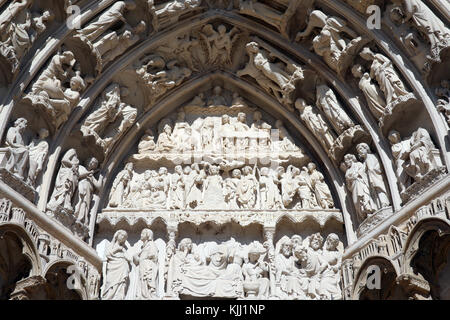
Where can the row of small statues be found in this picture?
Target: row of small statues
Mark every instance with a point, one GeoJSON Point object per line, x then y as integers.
{"type": "Point", "coordinates": [215, 135]}
{"type": "Point", "coordinates": [295, 268]}
{"type": "Point", "coordinates": [193, 187]}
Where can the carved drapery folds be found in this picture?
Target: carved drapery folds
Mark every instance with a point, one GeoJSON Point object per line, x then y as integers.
{"type": "Point", "coordinates": [296, 269]}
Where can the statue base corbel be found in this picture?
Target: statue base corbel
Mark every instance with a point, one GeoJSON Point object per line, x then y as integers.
{"type": "Point", "coordinates": [374, 220]}
{"type": "Point", "coordinates": [418, 187]}
{"type": "Point", "coordinates": [15, 182]}
{"type": "Point", "coordinates": [396, 111]}
{"type": "Point", "coordinates": [26, 288]}
{"type": "Point", "coordinates": [414, 287]}
{"type": "Point", "coordinates": [348, 139]}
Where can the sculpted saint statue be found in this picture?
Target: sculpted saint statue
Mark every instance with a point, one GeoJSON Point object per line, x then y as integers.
{"type": "Point", "coordinates": [255, 271]}
{"type": "Point", "coordinates": [358, 184]}
{"type": "Point", "coordinates": [400, 151]}
{"type": "Point", "coordinates": [86, 187]}
{"type": "Point", "coordinates": [383, 71]}
{"type": "Point", "coordinates": [374, 173]}
{"type": "Point", "coordinates": [327, 101]}
{"type": "Point", "coordinates": [315, 123]}
{"type": "Point", "coordinates": [147, 261]}
{"type": "Point", "coordinates": [330, 282]}
{"type": "Point", "coordinates": [38, 154]}
{"type": "Point", "coordinates": [113, 15]}
{"type": "Point", "coordinates": [20, 152]}
{"type": "Point", "coordinates": [117, 268]}
{"type": "Point", "coordinates": [321, 189]}
{"type": "Point", "coordinates": [373, 95]}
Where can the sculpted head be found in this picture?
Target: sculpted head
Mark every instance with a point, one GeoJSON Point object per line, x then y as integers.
{"type": "Point", "coordinates": [21, 124]}
{"type": "Point", "coordinates": [120, 237]}
{"type": "Point", "coordinates": [357, 71]}
{"type": "Point", "coordinates": [265, 171]}
{"type": "Point", "coordinates": [162, 171]}
{"type": "Point", "coordinates": [312, 167]}
{"type": "Point", "coordinates": [255, 251]}
{"type": "Point", "coordinates": [301, 252]}
{"type": "Point", "coordinates": [257, 116]}
{"type": "Point", "coordinates": [43, 133]}
{"type": "Point", "coordinates": [222, 29]}
{"type": "Point", "coordinates": [300, 104]}
{"type": "Point", "coordinates": [332, 242]}
{"type": "Point", "coordinates": [129, 166]}
{"type": "Point", "coordinates": [286, 246]}
{"type": "Point", "coordinates": [236, 174]}
{"type": "Point", "coordinates": [242, 117]}
{"type": "Point", "coordinates": [316, 241]}
{"type": "Point", "coordinates": [296, 240]}
{"type": "Point", "coordinates": [225, 119]}
{"type": "Point", "coordinates": [394, 137]}
{"type": "Point", "coordinates": [367, 54]}
{"type": "Point", "coordinates": [147, 174]}
{"type": "Point", "coordinates": [349, 159]}
{"type": "Point", "coordinates": [363, 150]}
{"type": "Point", "coordinates": [77, 83]}
{"type": "Point", "coordinates": [217, 90]}
{"type": "Point", "coordinates": [92, 164]}
{"type": "Point", "coordinates": [252, 47]}
{"type": "Point", "coordinates": [185, 245]}
{"type": "Point", "coordinates": [247, 170]}
{"type": "Point", "coordinates": [147, 235]}
{"type": "Point", "coordinates": [218, 255]}
{"type": "Point", "coordinates": [187, 170]}
{"type": "Point", "coordinates": [179, 169]}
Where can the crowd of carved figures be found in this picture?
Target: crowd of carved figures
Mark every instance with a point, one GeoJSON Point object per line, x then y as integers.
{"type": "Point", "coordinates": [295, 268]}
{"type": "Point", "coordinates": [218, 135]}
{"type": "Point", "coordinates": [207, 186]}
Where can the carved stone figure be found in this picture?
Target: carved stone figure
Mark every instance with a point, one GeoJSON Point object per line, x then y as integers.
{"type": "Point", "coordinates": [315, 123]}
{"type": "Point", "coordinates": [278, 79]}
{"type": "Point", "coordinates": [327, 101]}
{"type": "Point", "coordinates": [231, 187]}
{"type": "Point", "coordinates": [147, 143]}
{"type": "Point", "coordinates": [424, 20]}
{"type": "Point", "coordinates": [147, 261]}
{"type": "Point", "coordinates": [255, 272]}
{"type": "Point", "coordinates": [321, 189]}
{"type": "Point", "coordinates": [38, 155]}
{"type": "Point", "coordinates": [170, 12]}
{"type": "Point", "coordinates": [117, 268]}
{"type": "Point", "coordinates": [290, 281]}
{"type": "Point", "coordinates": [421, 159]}
{"type": "Point", "coordinates": [219, 43]}
{"type": "Point", "coordinates": [213, 189]}
{"type": "Point", "coordinates": [121, 187]}
{"type": "Point", "coordinates": [332, 42]}
{"type": "Point", "coordinates": [330, 282]}
{"type": "Point", "coordinates": [286, 143]}
{"type": "Point", "coordinates": [115, 43]}
{"type": "Point", "coordinates": [443, 104]}
{"type": "Point", "coordinates": [166, 142]}
{"type": "Point", "coordinates": [374, 173]}
{"type": "Point", "coordinates": [289, 185]}
{"type": "Point", "coordinates": [305, 191]}
{"type": "Point", "coordinates": [400, 151]}
{"type": "Point", "coordinates": [177, 189]}
{"type": "Point", "coordinates": [48, 90]}
{"type": "Point", "coordinates": [193, 186]}
{"type": "Point", "coordinates": [387, 78]}
{"type": "Point", "coordinates": [110, 17]}
{"type": "Point", "coordinates": [12, 11]}
{"type": "Point", "coordinates": [86, 188]}
{"type": "Point", "coordinates": [19, 151]}
{"type": "Point", "coordinates": [247, 189]}
{"type": "Point", "coordinates": [66, 182]}
{"type": "Point", "coordinates": [358, 185]}
{"type": "Point", "coordinates": [270, 197]}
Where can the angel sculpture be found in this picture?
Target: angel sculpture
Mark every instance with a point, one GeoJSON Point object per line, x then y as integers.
{"type": "Point", "coordinates": [219, 44]}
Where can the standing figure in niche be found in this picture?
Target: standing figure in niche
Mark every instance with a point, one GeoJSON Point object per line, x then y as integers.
{"type": "Point", "coordinates": [20, 152]}
{"type": "Point", "coordinates": [400, 151]}
{"type": "Point", "coordinates": [86, 187]}
{"type": "Point", "coordinates": [117, 268]}
{"type": "Point", "coordinates": [66, 182]}
{"type": "Point", "coordinates": [305, 191]}
{"type": "Point", "coordinates": [121, 187]}
{"type": "Point", "coordinates": [420, 156]}
{"type": "Point", "coordinates": [289, 185]}
{"type": "Point", "coordinates": [358, 184]}
{"type": "Point", "coordinates": [374, 173]}
{"type": "Point", "coordinates": [327, 101]}
{"type": "Point", "coordinates": [38, 154]}
{"type": "Point", "coordinates": [147, 261]}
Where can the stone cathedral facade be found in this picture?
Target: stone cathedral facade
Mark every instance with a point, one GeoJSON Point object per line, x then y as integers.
{"type": "Point", "coordinates": [225, 149]}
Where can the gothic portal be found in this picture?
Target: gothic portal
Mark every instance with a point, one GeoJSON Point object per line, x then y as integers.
{"type": "Point", "coordinates": [225, 149]}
